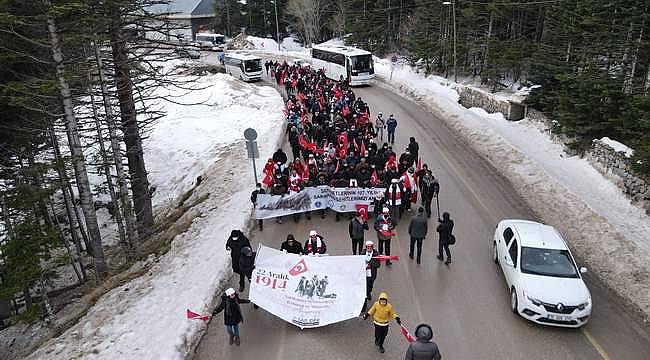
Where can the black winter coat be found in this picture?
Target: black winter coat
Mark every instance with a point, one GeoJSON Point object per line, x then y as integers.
{"type": "Point", "coordinates": [373, 265]}
{"type": "Point", "coordinates": [295, 249]}
{"type": "Point", "coordinates": [356, 228]}
{"type": "Point", "coordinates": [418, 226]}
{"type": "Point", "coordinates": [423, 350]}
{"type": "Point", "coordinates": [445, 229]}
{"type": "Point", "coordinates": [247, 263]}
{"type": "Point", "coordinates": [231, 310]}
{"type": "Point", "coordinates": [235, 247]}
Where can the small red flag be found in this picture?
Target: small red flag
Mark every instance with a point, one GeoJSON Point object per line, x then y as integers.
{"type": "Point", "coordinates": [363, 148]}
{"type": "Point", "coordinates": [374, 178]}
{"type": "Point", "coordinates": [363, 210]}
{"type": "Point", "coordinates": [407, 334]}
{"type": "Point", "coordinates": [385, 257]}
{"type": "Point", "coordinates": [407, 181]}
{"type": "Point", "coordinates": [191, 315]}
{"type": "Point", "coordinates": [356, 145]}
{"type": "Point", "coordinates": [419, 164]}
{"type": "Point", "coordinates": [305, 174]}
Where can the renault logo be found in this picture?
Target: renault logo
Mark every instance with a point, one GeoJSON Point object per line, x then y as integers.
{"type": "Point", "coordinates": [560, 306]}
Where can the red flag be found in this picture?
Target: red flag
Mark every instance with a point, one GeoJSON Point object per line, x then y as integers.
{"type": "Point", "coordinates": [385, 257]}
{"type": "Point", "coordinates": [363, 148]}
{"type": "Point", "coordinates": [191, 315]}
{"type": "Point", "coordinates": [305, 173]}
{"type": "Point", "coordinates": [407, 181]}
{"type": "Point", "coordinates": [356, 145]}
{"type": "Point", "coordinates": [337, 167]}
{"type": "Point", "coordinates": [407, 334]}
{"type": "Point", "coordinates": [268, 180]}
{"type": "Point", "coordinates": [419, 164]}
{"type": "Point", "coordinates": [363, 210]}
{"type": "Point", "coordinates": [374, 178]}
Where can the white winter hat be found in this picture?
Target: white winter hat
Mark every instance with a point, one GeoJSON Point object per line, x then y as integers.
{"type": "Point", "coordinates": [370, 243]}
{"type": "Point", "coordinates": [230, 292]}
{"type": "Point", "coordinates": [385, 210]}
{"type": "Point", "coordinates": [313, 233]}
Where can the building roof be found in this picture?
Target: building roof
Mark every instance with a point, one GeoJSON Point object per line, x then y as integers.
{"type": "Point", "coordinates": [186, 9]}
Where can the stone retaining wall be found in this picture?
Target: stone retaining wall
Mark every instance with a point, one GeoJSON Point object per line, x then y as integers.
{"type": "Point", "coordinates": [613, 165]}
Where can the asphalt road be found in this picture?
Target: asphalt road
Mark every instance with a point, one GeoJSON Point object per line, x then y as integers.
{"type": "Point", "coordinates": [467, 303]}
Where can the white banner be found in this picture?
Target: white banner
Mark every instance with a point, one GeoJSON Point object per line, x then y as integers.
{"type": "Point", "coordinates": [315, 198]}
{"type": "Point", "coordinates": [308, 291]}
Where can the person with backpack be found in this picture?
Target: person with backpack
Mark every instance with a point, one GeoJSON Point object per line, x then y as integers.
{"type": "Point", "coordinates": [423, 348]}
{"type": "Point", "coordinates": [446, 238]}
{"type": "Point", "coordinates": [232, 315]}
{"type": "Point", "coordinates": [382, 312]}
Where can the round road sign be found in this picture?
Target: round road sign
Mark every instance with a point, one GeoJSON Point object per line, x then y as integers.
{"type": "Point", "coordinates": [250, 134]}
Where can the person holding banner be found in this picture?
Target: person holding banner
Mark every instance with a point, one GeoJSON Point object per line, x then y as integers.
{"type": "Point", "coordinates": [232, 313]}
{"type": "Point", "coordinates": [291, 246]}
{"type": "Point", "coordinates": [382, 312]}
{"type": "Point", "coordinates": [315, 244]}
{"type": "Point", "coordinates": [423, 348]}
{"type": "Point", "coordinates": [372, 264]}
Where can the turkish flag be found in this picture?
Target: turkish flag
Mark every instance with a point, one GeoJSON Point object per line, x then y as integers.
{"type": "Point", "coordinates": [363, 148]}
{"type": "Point", "coordinates": [385, 257]}
{"type": "Point", "coordinates": [268, 180]}
{"type": "Point", "coordinates": [374, 178]}
{"type": "Point", "coordinates": [305, 173]}
{"type": "Point", "coordinates": [407, 181]}
{"type": "Point", "coordinates": [299, 268]}
{"type": "Point", "coordinates": [363, 210]}
{"type": "Point", "coordinates": [407, 334]}
{"type": "Point", "coordinates": [191, 315]}
{"type": "Point", "coordinates": [419, 164]}
{"type": "Point", "coordinates": [356, 145]}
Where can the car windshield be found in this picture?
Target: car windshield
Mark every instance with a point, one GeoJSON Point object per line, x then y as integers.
{"type": "Point", "coordinates": [253, 65]}
{"type": "Point", "coordinates": [547, 262]}
{"type": "Point", "coordinates": [361, 62]}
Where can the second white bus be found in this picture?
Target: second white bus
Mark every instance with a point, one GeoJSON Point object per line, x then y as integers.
{"type": "Point", "coordinates": [210, 41]}
{"type": "Point", "coordinates": [342, 62]}
{"type": "Point", "coordinates": [243, 66]}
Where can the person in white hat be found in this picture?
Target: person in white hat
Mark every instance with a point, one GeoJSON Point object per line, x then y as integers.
{"type": "Point", "coordinates": [372, 264]}
{"type": "Point", "coordinates": [232, 315]}
{"type": "Point", "coordinates": [315, 244]}
{"type": "Point", "coordinates": [384, 226]}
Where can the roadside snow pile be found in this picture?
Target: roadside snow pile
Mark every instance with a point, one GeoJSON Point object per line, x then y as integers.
{"type": "Point", "coordinates": [145, 318]}
{"type": "Point", "coordinates": [602, 225]}
{"type": "Point", "coordinates": [291, 44]}
{"type": "Point", "coordinates": [617, 146]}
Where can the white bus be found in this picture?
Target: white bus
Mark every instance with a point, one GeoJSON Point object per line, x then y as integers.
{"type": "Point", "coordinates": [210, 41]}
{"type": "Point", "coordinates": [349, 63]}
{"type": "Point", "coordinates": [243, 66]}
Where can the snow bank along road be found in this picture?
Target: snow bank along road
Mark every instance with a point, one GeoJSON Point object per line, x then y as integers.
{"type": "Point", "coordinates": [467, 303]}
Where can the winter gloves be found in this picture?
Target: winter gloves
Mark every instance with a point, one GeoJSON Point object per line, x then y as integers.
{"type": "Point", "coordinates": [399, 321]}
{"type": "Point", "coordinates": [365, 316]}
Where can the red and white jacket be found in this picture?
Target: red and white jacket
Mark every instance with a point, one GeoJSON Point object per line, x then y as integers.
{"type": "Point", "coordinates": [294, 183]}
{"type": "Point", "coordinates": [394, 194]}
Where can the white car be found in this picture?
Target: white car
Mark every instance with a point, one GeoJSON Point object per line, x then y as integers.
{"type": "Point", "coordinates": [545, 284]}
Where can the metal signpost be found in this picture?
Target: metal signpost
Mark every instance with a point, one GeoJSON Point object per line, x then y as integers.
{"type": "Point", "coordinates": [393, 60]}
{"type": "Point", "coordinates": [251, 147]}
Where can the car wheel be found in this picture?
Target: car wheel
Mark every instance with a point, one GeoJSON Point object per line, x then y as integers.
{"type": "Point", "coordinates": [495, 253]}
{"type": "Point", "coordinates": [513, 301]}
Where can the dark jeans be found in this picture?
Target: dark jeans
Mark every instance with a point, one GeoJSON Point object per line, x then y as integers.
{"type": "Point", "coordinates": [419, 247]}
{"type": "Point", "coordinates": [357, 244]}
{"type": "Point", "coordinates": [370, 282]}
{"type": "Point", "coordinates": [442, 245]}
{"type": "Point", "coordinates": [243, 275]}
{"type": "Point", "coordinates": [386, 244]}
{"type": "Point", "coordinates": [426, 203]}
{"type": "Point", "coordinates": [380, 334]}
{"type": "Point", "coordinates": [391, 137]}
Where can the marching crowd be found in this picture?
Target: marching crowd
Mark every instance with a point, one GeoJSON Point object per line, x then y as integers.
{"type": "Point", "coordinates": [334, 142]}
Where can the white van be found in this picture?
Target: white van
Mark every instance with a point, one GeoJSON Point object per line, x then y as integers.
{"type": "Point", "coordinates": [243, 66]}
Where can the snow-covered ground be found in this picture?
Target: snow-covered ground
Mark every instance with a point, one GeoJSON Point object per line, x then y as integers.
{"type": "Point", "coordinates": [190, 141]}
{"type": "Point", "coordinates": [566, 191]}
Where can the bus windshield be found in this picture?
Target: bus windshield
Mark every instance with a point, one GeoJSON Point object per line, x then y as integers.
{"type": "Point", "coordinates": [361, 62]}
{"type": "Point", "coordinates": [253, 65]}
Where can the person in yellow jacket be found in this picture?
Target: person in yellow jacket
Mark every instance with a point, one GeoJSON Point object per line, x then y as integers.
{"type": "Point", "coordinates": [382, 312]}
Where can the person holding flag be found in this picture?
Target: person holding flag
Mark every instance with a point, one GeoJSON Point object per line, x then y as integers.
{"type": "Point", "coordinates": [382, 312]}
{"type": "Point", "coordinates": [372, 264]}
{"type": "Point", "coordinates": [423, 348]}
{"type": "Point", "coordinates": [384, 227]}
{"type": "Point", "coordinates": [232, 315]}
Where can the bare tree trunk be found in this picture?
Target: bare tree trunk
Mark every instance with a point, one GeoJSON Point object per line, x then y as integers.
{"type": "Point", "coordinates": [125, 201]}
{"type": "Point", "coordinates": [76, 258]}
{"type": "Point", "coordinates": [132, 139]}
{"type": "Point", "coordinates": [78, 160]}
{"type": "Point", "coordinates": [70, 208]}
{"type": "Point", "coordinates": [117, 212]}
